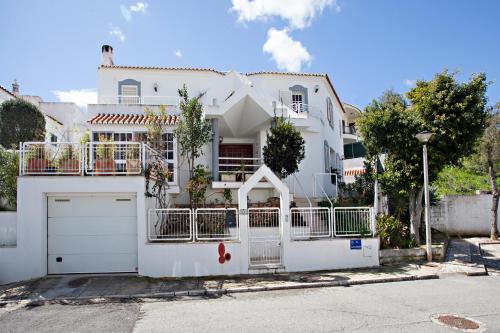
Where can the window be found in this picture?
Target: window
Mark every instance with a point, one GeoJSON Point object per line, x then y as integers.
{"type": "Point", "coordinates": [297, 101]}
{"type": "Point", "coordinates": [168, 140]}
{"type": "Point", "coordinates": [329, 112]}
{"type": "Point", "coordinates": [96, 136]}
{"type": "Point", "coordinates": [326, 151]}
{"type": "Point", "coordinates": [53, 138]}
{"type": "Point", "coordinates": [129, 94]}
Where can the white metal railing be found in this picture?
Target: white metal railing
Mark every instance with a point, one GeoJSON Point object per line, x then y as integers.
{"type": "Point", "coordinates": [170, 224]}
{"type": "Point", "coordinates": [139, 100]}
{"type": "Point", "coordinates": [216, 224]}
{"type": "Point", "coordinates": [42, 158]}
{"type": "Point", "coordinates": [114, 158]}
{"type": "Point", "coordinates": [238, 169]}
{"type": "Point", "coordinates": [353, 221]}
{"type": "Point", "coordinates": [310, 223]}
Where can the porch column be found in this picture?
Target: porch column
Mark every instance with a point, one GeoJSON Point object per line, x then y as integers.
{"type": "Point", "coordinates": [215, 149]}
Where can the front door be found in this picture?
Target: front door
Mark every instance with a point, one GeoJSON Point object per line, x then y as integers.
{"type": "Point", "coordinates": [264, 237]}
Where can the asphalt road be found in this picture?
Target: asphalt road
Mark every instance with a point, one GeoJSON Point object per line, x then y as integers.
{"type": "Point", "coordinates": [390, 307]}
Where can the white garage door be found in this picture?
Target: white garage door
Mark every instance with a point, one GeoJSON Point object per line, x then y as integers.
{"type": "Point", "coordinates": [92, 234]}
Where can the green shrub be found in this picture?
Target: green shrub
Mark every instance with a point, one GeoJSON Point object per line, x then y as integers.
{"type": "Point", "coordinates": [393, 233]}
{"type": "Point", "coordinates": [9, 164]}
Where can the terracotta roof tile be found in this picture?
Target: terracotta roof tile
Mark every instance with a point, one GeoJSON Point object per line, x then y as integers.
{"type": "Point", "coordinates": [167, 68]}
{"type": "Point", "coordinates": [131, 119]}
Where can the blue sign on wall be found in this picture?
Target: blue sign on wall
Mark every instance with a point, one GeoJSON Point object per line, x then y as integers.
{"type": "Point", "coordinates": [355, 244]}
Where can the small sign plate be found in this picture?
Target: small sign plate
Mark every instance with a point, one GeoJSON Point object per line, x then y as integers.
{"type": "Point", "coordinates": [355, 244]}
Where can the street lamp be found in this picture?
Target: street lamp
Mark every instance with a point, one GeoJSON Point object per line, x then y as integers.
{"type": "Point", "coordinates": [424, 138]}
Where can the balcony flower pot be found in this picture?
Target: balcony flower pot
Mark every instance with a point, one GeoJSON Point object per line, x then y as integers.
{"type": "Point", "coordinates": [133, 166]}
{"type": "Point", "coordinates": [69, 166]}
{"type": "Point", "coordinates": [104, 166]}
{"type": "Point", "coordinates": [228, 177]}
{"type": "Point", "coordinates": [37, 165]}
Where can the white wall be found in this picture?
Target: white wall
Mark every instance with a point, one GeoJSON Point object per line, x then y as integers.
{"type": "Point", "coordinates": [463, 215]}
{"type": "Point", "coordinates": [29, 259]}
{"type": "Point", "coordinates": [8, 229]}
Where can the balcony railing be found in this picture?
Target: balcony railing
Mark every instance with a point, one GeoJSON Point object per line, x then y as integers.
{"type": "Point", "coordinates": [350, 130]}
{"type": "Point", "coordinates": [238, 169]}
{"type": "Point", "coordinates": [139, 100]}
{"type": "Point", "coordinates": [93, 158]}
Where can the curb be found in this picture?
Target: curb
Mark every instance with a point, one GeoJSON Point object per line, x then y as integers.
{"type": "Point", "coordinates": [222, 291]}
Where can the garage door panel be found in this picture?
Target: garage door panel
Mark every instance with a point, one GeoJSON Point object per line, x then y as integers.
{"type": "Point", "coordinates": [81, 263]}
{"type": "Point", "coordinates": [92, 225]}
{"type": "Point", "coordinates": [92, 234]}
{"type": "Point", "coordinates": [99, 244]}
{"type": "Point", "coordinates": [88, 206]}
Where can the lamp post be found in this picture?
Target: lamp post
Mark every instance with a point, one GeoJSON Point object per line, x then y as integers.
{"type": "Point", "coordinates": [424, 138]}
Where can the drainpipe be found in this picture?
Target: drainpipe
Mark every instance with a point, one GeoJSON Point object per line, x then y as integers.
{"type": "Point", "coordinates": [215, 149]}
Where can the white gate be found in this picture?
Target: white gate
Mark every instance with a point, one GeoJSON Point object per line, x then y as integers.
{"type": "Point", "coordinates": [264, 237]}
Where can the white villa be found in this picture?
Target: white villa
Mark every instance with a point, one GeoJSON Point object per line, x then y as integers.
{"type": "Point", "coordinates": [81, 213]}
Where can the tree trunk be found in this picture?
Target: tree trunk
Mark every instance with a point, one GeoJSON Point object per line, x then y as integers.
{"type": "Point", "coordinates": [415, 210]}
{"type": "Point", "coordinates": [494, 203]}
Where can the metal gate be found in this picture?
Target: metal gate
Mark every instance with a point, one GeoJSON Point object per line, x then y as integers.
{"type": "Point", "coordinates": [264, 237]}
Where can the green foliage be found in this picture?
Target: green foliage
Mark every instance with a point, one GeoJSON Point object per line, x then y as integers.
{"type": "Point", "coordinates": [455, 180]}
{"type": "Point", "coordinates": [193, 131]}
{"type": "Point", "coordinates": [393, 233]}
{"type": "Point", "coordinates": [9, 163]}
{"type": "Point", "coordinates": [197, 185]}
{"type": "Point", "coordinates": [20, 121]}
{"type": "Point", "coordinates": [105, 149]}
{"type": "Point", "coordinates": [284, 149]}
{"type": "Point", "coordinates": [362, 191]}
{"type": "Point", "coordinates": [228, 197]}
{"type": "Point", "coordinates": [156, 129]}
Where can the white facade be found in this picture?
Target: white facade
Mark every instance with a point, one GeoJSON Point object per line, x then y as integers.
{"type": "Point", "coordinates": [243, 106]}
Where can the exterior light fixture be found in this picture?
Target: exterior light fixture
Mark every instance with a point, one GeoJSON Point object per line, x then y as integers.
{"type": "Point", "coordinates": [155, 87]}
{"type": "Point", "coordinates": [424, 138]}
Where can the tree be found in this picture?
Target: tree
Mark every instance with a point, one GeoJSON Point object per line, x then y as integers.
{"type": "Point", "coordinates": [193, 131]}
{"type": "Point", "coordinates": [20, 121]}
{"type": "Point", "coordinates": [489, 153]}
{"type": "Point", "coordinates": [456, 114]}
{"type": "Point", "coordinates": [284, 149]}
{"type": "Point", "coordinates": [8, 177]}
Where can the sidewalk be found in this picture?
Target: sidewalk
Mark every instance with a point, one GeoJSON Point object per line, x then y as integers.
{"type": "Point", "coordinates": [464, 256]}
{"type": "Point", "coordinates": [85, 287]}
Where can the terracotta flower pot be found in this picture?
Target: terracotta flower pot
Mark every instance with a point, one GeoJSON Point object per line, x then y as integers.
{"type": "Point", "coordinates": [37, 165]}
{"type": "Point", "coordinates": [104, 166]}
{"type": "Point", "coordinates": [69, 166]}
{"type": "Point", "coordinates": [133, 166]}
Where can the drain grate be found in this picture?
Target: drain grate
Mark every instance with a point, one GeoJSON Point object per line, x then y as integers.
{"type": "Point", "coordinates": [458, 322]}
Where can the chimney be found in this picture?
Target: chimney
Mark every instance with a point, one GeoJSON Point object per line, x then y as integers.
{"type": "Point", "coordinates": [15, 87]}
{"type": "Point", "coordinates": [107, 55]}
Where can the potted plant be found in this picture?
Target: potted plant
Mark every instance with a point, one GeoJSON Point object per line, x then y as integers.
{"type": "Point", "coordinates": [240, 175]}
{"type": "Point", "coordinates": [105, 153]}
{"type": "Point", "coordinates": [36, 159]}
{"type": "Point", "coordinates": [69, 162]}
{"type": "Point", "coordinates": [227, 177]}
{"type": "Point", "coordinates": [133, 159]}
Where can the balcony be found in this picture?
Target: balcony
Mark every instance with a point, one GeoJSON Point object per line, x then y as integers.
{"type": "Point", "coordinates": [234, 171]}
{"type": "Point", "coordinates": [90, 159]}
{"type": "Point", "coordinates": [139, 100]}
{"type": "Point", "coordinates": [350, 134]}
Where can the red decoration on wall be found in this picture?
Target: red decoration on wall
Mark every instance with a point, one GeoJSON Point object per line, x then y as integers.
{"type": "Point", "coordinates": [223, 256]}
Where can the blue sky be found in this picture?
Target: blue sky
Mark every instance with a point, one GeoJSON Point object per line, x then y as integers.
{"type": "Point", "coordinates": [366, 46]}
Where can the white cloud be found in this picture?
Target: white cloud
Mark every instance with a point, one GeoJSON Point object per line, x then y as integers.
{"type": "Point", "coordinates": [80, 97]}
{"type": "Point", "coordinates": [139, 7]}
{"type": "Point", "coordinates": [288, 54]}
{"type": "Point", "coordinates": [298, 13]}
{"type": "Point", "coordinates": [117, 32]}
{"type": "Point", "coordinates": [126, 13]}
{"type": "Point", "coordinates": [178, 53]}
{"type": "Point", "coordinates": [410, 83]}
